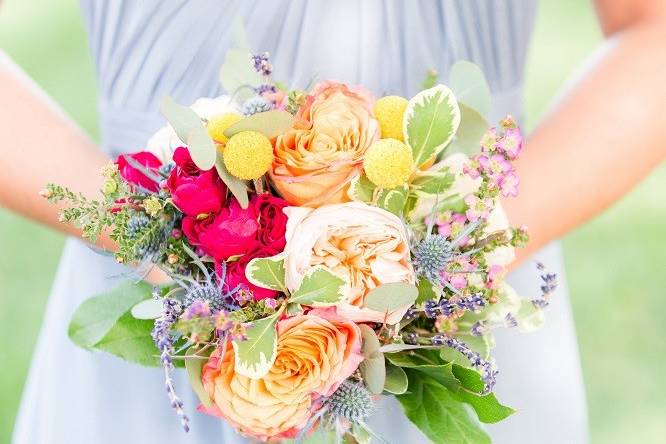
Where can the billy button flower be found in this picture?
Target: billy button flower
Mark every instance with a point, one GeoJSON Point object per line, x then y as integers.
{"type": "Point", "coordinates": [217, 125]}
{"type": "Point", "coordinates": [389, 112]}
{"type": "Point", "coordinates": [388, 163]}
{"type": "Point", "coordinates": [248, 155]}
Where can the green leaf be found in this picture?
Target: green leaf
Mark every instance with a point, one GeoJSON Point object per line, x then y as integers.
{"type": "Point", "coordinates": [393, 200]}
{"type": "Point", "coordinates": [147, 309]}
{"type": "Point", "coordinates": [437, 414]}
{"type": "Point", "coordinates": [373, 366]}
{"type": "Point", "coordinates": [426, 291]}
{"type": "Point", "coordinates": [480, 344]}
{"type": "Point", "coordinates": [237, 71]}
{"type": "Point", "coordinates": [256, 354]}
{"type": "Point", "coordinates": [320, 287]}
{"type": "Point", "coordinates": [469, 85]}
{"type": "Point", "coordinates": [190, 130]}
{"type": "Point", "coordinates": [193, 365]}
{"type": "Point", "coordinates": [433, 182]}
{"type": "Point", "coordinates": [130, 339]}
{"type": "Point", "coordinates": [96, 316]}
{"type": "Point", "coordinates": [396, 380]}
{"type": "Point", "coordinates": [431, 119]}
{"type": "Point", "coordinates": [361, 189]}
{"type": "Point", "coordinates": [267, 272]}
{"type": "Point", "coordinates": [270, 123]}
{"type": "Point", "coordinates": [470, 132]}
{"type": "Point", "coordinates": [391, 296]}
{"type": "Point", "coordinates": [235, 185]}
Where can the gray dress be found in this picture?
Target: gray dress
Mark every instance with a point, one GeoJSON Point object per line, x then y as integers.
{"type": "Point", "coordinates": [146, 49]}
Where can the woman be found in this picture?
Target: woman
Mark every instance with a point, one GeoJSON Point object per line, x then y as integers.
{"type": "Point", "coordinates": [146, 50]}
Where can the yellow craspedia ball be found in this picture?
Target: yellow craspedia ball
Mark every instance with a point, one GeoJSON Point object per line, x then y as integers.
{"type": "Point", "coordinates": [248, 155]}
{"type": "Point", "coordinates": [217, 125]}
{"type": "Point", "coordinates": [389, 112]}
{"type": "Point", "coordinates": [388, 163]}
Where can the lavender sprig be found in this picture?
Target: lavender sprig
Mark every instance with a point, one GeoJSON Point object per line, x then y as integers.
{"type": "Point", "coordinates": [547, 288]}
{"type": "Point", "coordinates": [161, 335]}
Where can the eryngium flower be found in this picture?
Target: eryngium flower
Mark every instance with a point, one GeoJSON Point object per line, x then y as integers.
{"type": "Point", "coordinates": [431, 256]}
{"type": "Point", "coordinates": [351, 401]}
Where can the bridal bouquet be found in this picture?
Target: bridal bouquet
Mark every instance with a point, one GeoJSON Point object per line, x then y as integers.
{"type": "Point", "coordinates": [324, 247]}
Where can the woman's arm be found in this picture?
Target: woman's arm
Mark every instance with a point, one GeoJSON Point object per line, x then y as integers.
{"type": "Point", "coordinates": [41, 144]}
{"type": "Point", "coordinates": [605, 135]}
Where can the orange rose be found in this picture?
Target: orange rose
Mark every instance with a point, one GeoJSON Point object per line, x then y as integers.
{"type": "Point", "coordinates": [315, 353]}
{"type": "Point", "coordinates": [319, 156]}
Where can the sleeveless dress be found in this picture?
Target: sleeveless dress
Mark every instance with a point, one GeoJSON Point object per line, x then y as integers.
{"type": "Point", "coordinates": [144, 50]}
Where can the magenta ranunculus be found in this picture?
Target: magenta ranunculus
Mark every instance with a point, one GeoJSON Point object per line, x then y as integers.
{"type": "Point", "coordinates": [272, 220]}
{"type": "Point", "coordinates": [135, 177]}
{"type": "Point", "coordinates": [194, 191]}
{"type": "Point", "coordinates": [232, 231]}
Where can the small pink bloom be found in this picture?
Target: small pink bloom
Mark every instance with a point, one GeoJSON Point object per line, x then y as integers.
{"type": "Point", "coordinates": [512, 143]}
{"type": "Point", "coordinates": [509, 184]}
{"type": "Point", "coordinates": [135, 177]}
{"type": "Point", "coordinates": [488, 140]}
{"type": "Point", "coordinates": [494, 273]}
{"type": "Point", "coordinates": [477, 208]}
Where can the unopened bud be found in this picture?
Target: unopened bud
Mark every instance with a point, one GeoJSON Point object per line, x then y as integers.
{"type": "Point", "coordinates": [46, 193]}
{"type": "Point", "coordinates": [173, 259]}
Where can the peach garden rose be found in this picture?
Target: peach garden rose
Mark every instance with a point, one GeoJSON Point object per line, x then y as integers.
{"type": "Point", "coordinates": [316, 352]}
{"type": "Point", "coordinates": [365, 245]}
{"type": "Point", "coordinates": [320, 155]}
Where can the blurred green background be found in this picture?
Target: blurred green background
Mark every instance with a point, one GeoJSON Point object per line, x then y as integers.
{"type": "Point", "coordinates": [616, 264]}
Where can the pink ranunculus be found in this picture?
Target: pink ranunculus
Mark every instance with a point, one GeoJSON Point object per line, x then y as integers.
{"type": "Point", "coordinates": [272, 220]}
{"type": "Point", "coordinates": [235, 273]}
{"type": "Point", "coordinates": [135, 177]}
{"type": "Point", "coordinates": [232, 231]}
{"type": "Point", "coordinates": [195, 191]}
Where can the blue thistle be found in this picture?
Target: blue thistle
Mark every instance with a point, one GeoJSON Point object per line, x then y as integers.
{"type": "Point", "coordinates": [431, 256]}
{"type": "Point", "coordinates": [256, 104]}
{"type": "Point", "coordinates": [146, 234]}
{"type": "Point", "coordinates": [212, 293]}
{"type": "Point", "coordinates": [351, 401]}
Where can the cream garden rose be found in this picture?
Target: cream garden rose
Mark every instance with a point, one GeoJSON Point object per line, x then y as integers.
{"type": "Point", "coordinates": [316, 160]}
{"type": "Point", "coordinates": [365, 245]}
{"type": "Point", "coordinates": [316, 352]}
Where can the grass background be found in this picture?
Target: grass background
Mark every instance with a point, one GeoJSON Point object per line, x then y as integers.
{"type": "Point", "coordinates": [616, 263]}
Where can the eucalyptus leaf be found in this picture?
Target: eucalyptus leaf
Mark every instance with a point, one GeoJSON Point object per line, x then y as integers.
{"type": "Point", "coordinates": [97, 315]}
{"type": "Point", "coordinates": [469, 85]}
{"type": "Point", "coordinates": [437, 414]}
{"type": "Point", "coordinates": [431, 120]}
{"type": "Point", "coordinates": [391, 296]}
{"type": "Point", "coordinates": [193, 365]}
{"type": "Point", "coordinates": [433, 182]}
{"type": "Point", "coordinates": [320, 287]}
{"type": "Point", "coordinates": [237, 187]}
{"type": "Point", "coordinates": [237, 71]}
{"type": "Point", "coordinates": [396, 380]}
{"type": "Point", "coordinates": [470, 132]}
{"type": "Point", "coordinates": [372, 367]}
{"type": "Point", "coordinates": [190, 130]}
{"type": "Point", "coordinates": [147, 309]}
{"type": "Point", "coordinates": [267, 272]}
{"type": "Point", "coordinates": [270, 123]}
{"type": "Point", "coordinates": [256, 354]}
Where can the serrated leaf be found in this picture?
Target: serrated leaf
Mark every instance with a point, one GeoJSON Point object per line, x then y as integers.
{"type": "Point", "coordinates": [255, 355]}
{"type": "Point", "coordinates": [433, 182]}
{"type": "Point", "coordinates": [193, 365]}
{"type": "Point", "coordinates": [269, 123]}
{"type": "Point", "coordinates": [237, 71]}
{"type": "Point", "coordinates": [393, 200]}
{"type": "Point", "coordinates": [437, 414]}
{"type": "Point", "coordinates": [480, 344]}
{"type": "Point", "coordinates": [237, 187]}
{"type": "Point", "coordinates": [391, 296]}
{"type": "Point", "coordinates": [267, 272]}
{"type": "Point", "coordinates": [320, 287]}
{"type": "Point", "coordinates": [147, 309]}
{"type": "Point", "coordinates": [431, 120]}
{"type": "Point", "coordinates": [96, 316]}
{"type": "Point", "coordinates": [361, 189]}
{"type": "Point", "coordinates": [130, 339]}
{"type": "Point", "coordinates": [469, 85]}
{"type": "Point", "coordinates": [470, 132]}
{"type": "Point", "coordinates": [190, 130]}
{"type": "Point", "coordinates": [396, 380]}
{"type": "Point", "coordinates": [426, 290]}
